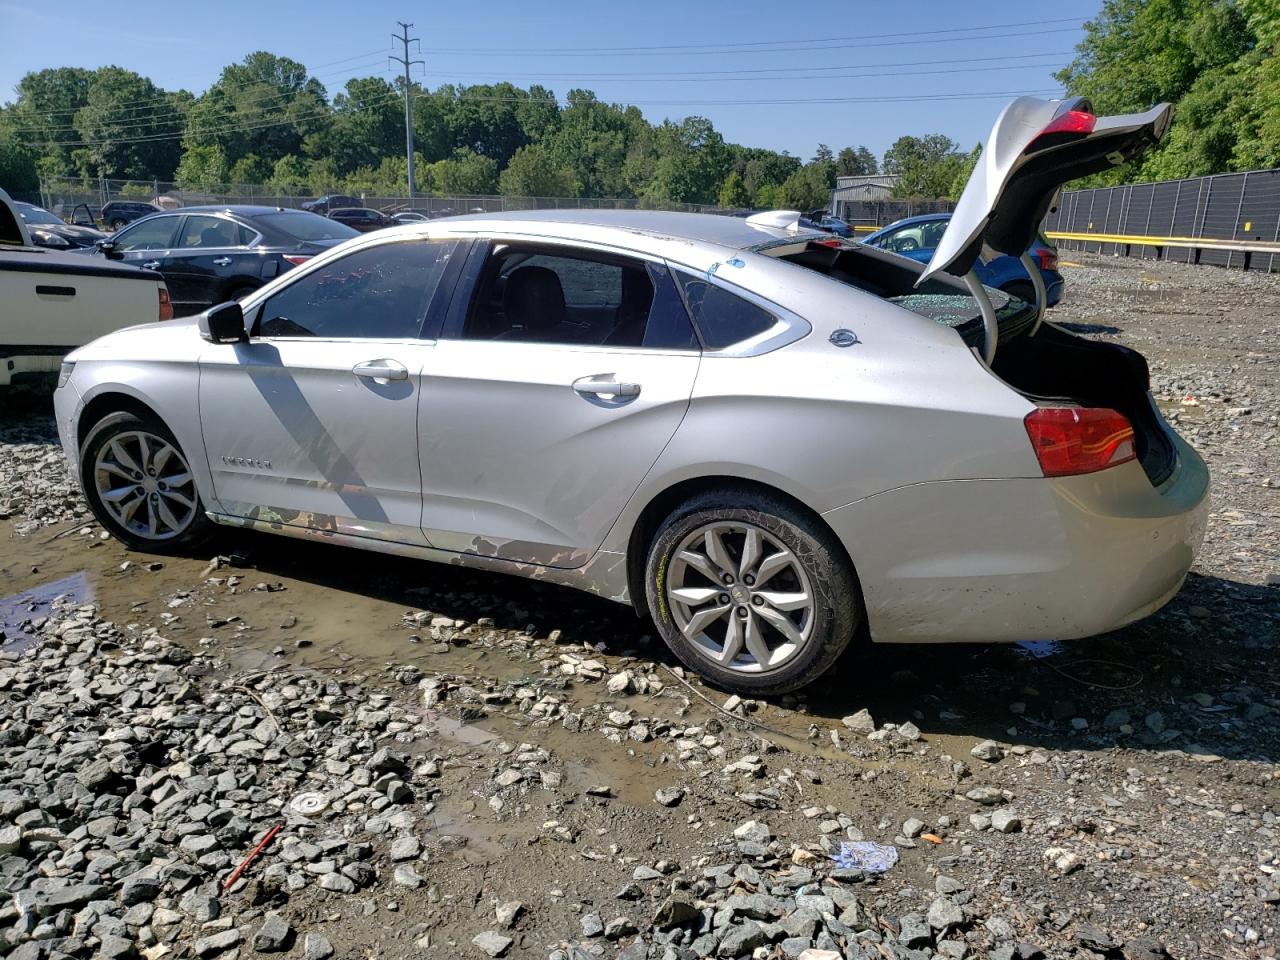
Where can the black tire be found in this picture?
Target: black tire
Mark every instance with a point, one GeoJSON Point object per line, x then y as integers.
{"type": "Point", "coordinates": [239, 293]}
{"type": "Point", "coordinates": [1022, 289]}
{"type": "Point", "coordinates": [837, 607]}
{"type": "Point", "coordinates": [195, 529]}
{"type": "Point", "coordinates": [117, 224]}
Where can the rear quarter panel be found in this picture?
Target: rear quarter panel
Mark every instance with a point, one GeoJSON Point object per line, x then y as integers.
{"type": "Point", "coordinates": [907, 404]}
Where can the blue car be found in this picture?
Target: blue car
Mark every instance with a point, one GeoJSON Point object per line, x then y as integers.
{"type": "Point", "coordinates": [917, 237]}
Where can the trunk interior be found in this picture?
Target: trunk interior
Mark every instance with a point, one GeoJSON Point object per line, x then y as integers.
{"type": "Point", "coordinates": [1053, 366]}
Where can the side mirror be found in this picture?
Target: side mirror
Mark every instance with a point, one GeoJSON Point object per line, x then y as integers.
{"type": "Point", "coordinates": [223, 324]}
{"type": "Point", "coordinates": [107, 248]}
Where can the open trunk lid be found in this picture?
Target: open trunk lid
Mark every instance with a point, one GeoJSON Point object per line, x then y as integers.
{"type": "Point", "coordinates": [1035, 147]}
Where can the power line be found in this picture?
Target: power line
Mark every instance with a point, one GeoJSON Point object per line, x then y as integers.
{"type": "Point", "coordinates": [457, 51]}
{"type": "Point", "coordinates": [667, 48]}
{"type": "Point", "coordinates": [803, 76]}
{"type": "Point", "coordinates": [667, 74]}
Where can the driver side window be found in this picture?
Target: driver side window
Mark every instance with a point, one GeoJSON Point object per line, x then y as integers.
{"type": "Point", "coordinates": [154, 233]}
{"type": "Point", "coordinates": [379, 292]}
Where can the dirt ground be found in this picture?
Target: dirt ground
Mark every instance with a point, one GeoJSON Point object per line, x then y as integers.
{"type": "Point", "coordinates": [1143, 765]}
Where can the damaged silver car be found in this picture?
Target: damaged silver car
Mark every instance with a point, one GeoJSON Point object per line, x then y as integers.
{"type": "Point", "coordinates": [771, 441]}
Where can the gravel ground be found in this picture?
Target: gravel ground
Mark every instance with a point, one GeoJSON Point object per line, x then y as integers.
{"type": "Point", "coordinates": [463, 765]}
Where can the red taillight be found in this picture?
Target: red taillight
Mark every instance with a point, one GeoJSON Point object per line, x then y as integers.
{"type": "Point", "coordinates": [833, 242]}
{"type": "Point", "coordinates": [166, 305]}
{"type": "Point", "coordinates": [1073, 121]}
{"type": "Point", "coordinates": [1048, 261]}
{"type": "Point", "coordinates": [295, 260]}
{"type": "Point", "coordinates": [1074, 440]}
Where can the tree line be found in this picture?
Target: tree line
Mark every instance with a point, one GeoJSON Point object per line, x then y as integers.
{"type": "Point", "coordinates": [1217, 61]}
{"type": "Point", "coordinates": [267, 121]}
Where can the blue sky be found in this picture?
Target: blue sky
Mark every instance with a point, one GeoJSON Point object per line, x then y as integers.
{"type": "Point", "coordinates": [672, 59]}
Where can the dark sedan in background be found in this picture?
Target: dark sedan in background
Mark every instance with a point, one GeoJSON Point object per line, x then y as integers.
{"type": "Point", "coordinates": [50, 230]}
{"type": "Point", "coordinates": [327, 204]}
{"type": "Point", "coordinates": [117, 213]}
{"type": "Point", "coordinates": [362, 218]}
{"type": "Point", "coordinates": [209, 255]}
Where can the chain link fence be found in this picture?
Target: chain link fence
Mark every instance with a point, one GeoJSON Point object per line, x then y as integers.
{"type": "Point", "coordinates": [1225, 206]}
{"type": "Point", "coordinates": [64, 196]}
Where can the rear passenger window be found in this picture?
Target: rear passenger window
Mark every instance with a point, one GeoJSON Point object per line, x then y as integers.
{"type": "Point", "coordinates": [580, 298]}
{"type": "Point", "coordinates": [378, 293]}
{"type": "Point", "coordinates": [723, 318]}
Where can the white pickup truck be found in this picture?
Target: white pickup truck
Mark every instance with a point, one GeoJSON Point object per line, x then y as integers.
{"type": "Point", "coordinates": [52, 302]}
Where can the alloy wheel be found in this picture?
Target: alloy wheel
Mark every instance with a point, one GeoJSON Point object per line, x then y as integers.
{"type": "Point", "coordinates": [145, 484]}
{"type": "Point", "coordinates": [740, 596]}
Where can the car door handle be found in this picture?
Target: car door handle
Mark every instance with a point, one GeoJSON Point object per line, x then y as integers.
{"type": "Point", "coordinates": [221, 261]}
{"type": "Point", "coordinates": [151, 265]}
{"type": "Point", "coordinates": [598, 386]}
{"type": "Point", "coordinates": [383, 370]}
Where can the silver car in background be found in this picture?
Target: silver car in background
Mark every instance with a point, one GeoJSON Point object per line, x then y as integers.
{"type": "Point", "coordinates": [771, 441]}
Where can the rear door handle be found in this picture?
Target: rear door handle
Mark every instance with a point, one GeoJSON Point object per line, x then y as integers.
{"type": "Point", "coordinates": [381, 370]}
{"type": "Point", "coordinates": [605, 384]}
{"type": "Point", "coordinates": [221, 261]}
{"type": "Point", "coordinates": [151, 265]}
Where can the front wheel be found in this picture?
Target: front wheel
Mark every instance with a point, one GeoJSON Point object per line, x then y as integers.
{"type": "Point", "coordinates": [139, 485]}
{"type": "Point", "coordinates": [751, 592]}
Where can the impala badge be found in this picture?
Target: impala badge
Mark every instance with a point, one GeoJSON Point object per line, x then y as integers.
{"type": "Point", "coordinates": [247, 462]}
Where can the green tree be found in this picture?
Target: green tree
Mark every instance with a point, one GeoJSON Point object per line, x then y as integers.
{"type": "Point", "coordinates": [858, 162]}
{"type": "Point", "coordinates": [808, 188]}
{"type": "Point", "coordinates": [289, 176]}
{"type": "Point", "coordinates": [926, 166]}
{"type": "Point", "coordinates": [734, 192]}
{"type": "Point", "coordinates": [1211, 58]}
{"type": "Point", "coordinates": [367, 125]}
{"type": "Point", "coordinates": [534, 172]}
{"type": "Point", "coordinates": [964, 171]}
{"type": "Point", "coordinates": [466, 173]}
{"type": "Point", "coordinates": [265, 105]}
{"type": "Point", "coordinates": [128, 126]}
{"type": "Point", "coordinates": [42, 116]}
{"type": "Point", "coordinates": [18, 172]}
{"type": "Point", "coordinates": [202, 167]}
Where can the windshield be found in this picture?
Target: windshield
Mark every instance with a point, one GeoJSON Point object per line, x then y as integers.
{"type": "Point", "coordinates": [308, 226]}
{"type": "Point", "coordinates": [33, 214]}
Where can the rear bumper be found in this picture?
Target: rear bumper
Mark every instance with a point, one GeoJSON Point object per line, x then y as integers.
{"type": "Point", "coordinates": [1028, 559]}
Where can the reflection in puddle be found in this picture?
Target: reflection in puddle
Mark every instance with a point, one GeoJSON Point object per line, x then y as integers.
{"type": "Point", "coordinates": [19, 608]}
{"type": "Point", "coordinates": [1039, 649]}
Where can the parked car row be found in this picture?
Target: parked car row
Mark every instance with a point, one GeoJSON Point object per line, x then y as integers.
{"type": "Point", "coordinates": [209, 255]}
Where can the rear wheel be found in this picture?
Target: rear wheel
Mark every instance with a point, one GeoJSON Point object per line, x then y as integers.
{"type": "Point", "coordinates": [117, 224]}
{"type": "Point", "coordinates": [751, 592]}
{"type": "Point", "coordinates": [140, 486]}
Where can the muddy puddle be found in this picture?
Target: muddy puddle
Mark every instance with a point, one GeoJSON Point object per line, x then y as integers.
{"type": "Point", "coordinates": [275, 603]}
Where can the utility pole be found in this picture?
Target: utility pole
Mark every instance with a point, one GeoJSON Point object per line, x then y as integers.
{"type": "Point", "coordinates": [404, 61]}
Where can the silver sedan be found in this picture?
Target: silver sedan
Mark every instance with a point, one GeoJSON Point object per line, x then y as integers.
{"type": "Point", "coordinates": [771, 441]}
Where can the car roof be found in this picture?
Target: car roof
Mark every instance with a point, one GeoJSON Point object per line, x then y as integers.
{"type": "Point", "coordinates": [239, 209]}
{"type": "Point", "coordinates": [659, 225]}
{"type": "Point", "coordinates": [919, 218]}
